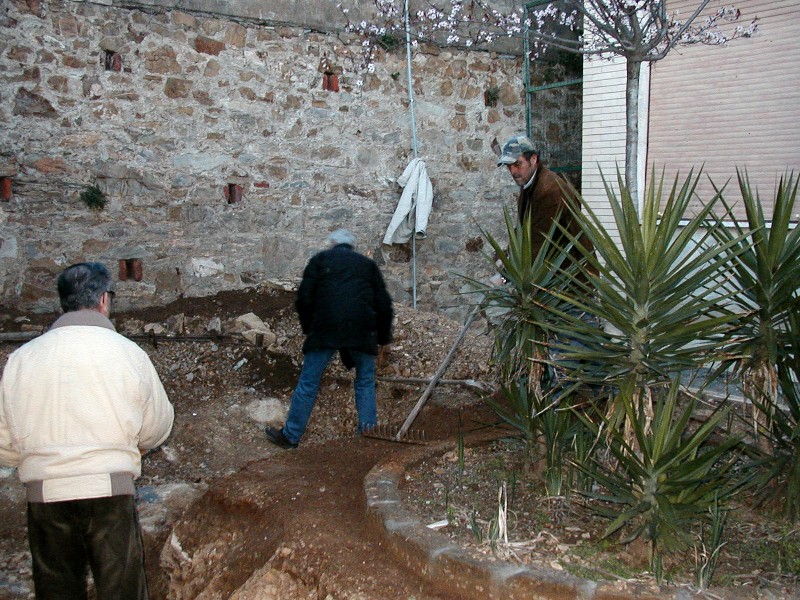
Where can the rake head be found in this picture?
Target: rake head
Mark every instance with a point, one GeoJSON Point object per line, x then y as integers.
{"type": "Point", "coordinates": [393, 434]}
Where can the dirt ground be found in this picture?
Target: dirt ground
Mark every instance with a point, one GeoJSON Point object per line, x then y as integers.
{"type": "Point", "coordinates": [273, 523]}
{"type": "Point", "coordinates": [313, 505]}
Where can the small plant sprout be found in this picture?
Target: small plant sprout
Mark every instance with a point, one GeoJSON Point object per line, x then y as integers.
{"type": "Point", "coordinates": [707, 555]}
{"type": "Point", "coordinates": [491, 96]}
{"type": "Point", "coordinates": [93, 197]}
{"type": "Point", "coordinates": [475, 528]}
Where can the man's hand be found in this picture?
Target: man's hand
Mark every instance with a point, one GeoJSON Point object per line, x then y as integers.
{"type": "Point", "coordinates": [383, 356]}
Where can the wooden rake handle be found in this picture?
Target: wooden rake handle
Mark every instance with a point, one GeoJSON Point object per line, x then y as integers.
{"type": "Point", "coordinates": [438, 375]}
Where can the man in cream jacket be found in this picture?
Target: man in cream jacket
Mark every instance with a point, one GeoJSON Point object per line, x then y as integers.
{"type": "Point", "coordinates": [78, 405]}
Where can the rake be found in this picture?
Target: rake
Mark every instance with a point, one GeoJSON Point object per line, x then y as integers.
{"type": "Point", "coordinates": [392, 433]}
{"type": "Point", "coordinates": [402, 434]}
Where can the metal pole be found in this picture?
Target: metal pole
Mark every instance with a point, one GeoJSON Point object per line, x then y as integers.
{"type": "Point", "coordinates": [414, 148]}
{"type": "Point", "coordinates": [526, 73]}
{"type": "Point", "coordinates": [410, 83]}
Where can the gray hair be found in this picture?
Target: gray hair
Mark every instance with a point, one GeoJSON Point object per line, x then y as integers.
{"type": "Point", "coordinates": [81, 285]}
{"type": "Point", "coordinates": [342, 236]}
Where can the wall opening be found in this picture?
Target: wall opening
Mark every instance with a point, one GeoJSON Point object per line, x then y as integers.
{"type": "Point", "coordinates": [233, 193]}
{"type": "Point", "coordinates": [6, 190]}
{"type": "Point", "coordinates": [112, 61]}
{"type": "Point", "coordinates": [130, 269]}
{"type": "Point", "coordinates": [330, 80]}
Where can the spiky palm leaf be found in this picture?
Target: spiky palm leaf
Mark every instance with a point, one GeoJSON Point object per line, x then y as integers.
{"type": "Point", "coordinates": [526, 303]}
{"type": "Point", "coordinates": [520, 311]}
{"type": "Point", "coordinates": [666, 478]}
{"type": "Point", "coordinates": [659, 286]}
{"type": "Point", "coordinates": [765, 271]}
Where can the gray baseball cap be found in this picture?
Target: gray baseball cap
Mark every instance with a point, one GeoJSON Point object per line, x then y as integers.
{"type": "Point", "coordinates": [514, 148]}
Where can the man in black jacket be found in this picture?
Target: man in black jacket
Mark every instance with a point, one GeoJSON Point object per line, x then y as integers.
{"type": "Point", "coordinates": [343, 305]}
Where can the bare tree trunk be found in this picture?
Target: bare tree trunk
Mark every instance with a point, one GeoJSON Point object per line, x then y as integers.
{"type": "Point", "coordinates": [633, 68]}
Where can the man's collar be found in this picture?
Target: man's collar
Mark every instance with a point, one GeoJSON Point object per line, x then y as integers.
{"type": "Point", "coordinates": [530, 181]}
{"type": "Point", "coordinates": [85, 317]}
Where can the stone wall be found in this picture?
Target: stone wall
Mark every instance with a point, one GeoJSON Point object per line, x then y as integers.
{"type": "Point", "coordinates": [224, 161]}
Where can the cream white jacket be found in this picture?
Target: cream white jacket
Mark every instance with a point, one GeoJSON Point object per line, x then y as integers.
{"type": "Point", "coordinates": [76, 406]}
{"type": "Point", "coordinates": [414, 208]}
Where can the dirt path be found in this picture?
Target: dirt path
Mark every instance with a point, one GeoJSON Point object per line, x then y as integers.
{"type": "Point", "coordinates": [295, 526]}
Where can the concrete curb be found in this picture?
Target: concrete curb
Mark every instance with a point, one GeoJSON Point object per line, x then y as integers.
{"type": "Point", "coordinates": [447, 566]}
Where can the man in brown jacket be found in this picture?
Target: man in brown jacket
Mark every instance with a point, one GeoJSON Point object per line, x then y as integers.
{"type": "Point", "coordinates": [542, 192]}
{"type": "Point", "coordinates": [544, 197]}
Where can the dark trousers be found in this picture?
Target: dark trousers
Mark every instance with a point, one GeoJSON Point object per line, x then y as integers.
{"type": "Point", "coordinates": [101, 533]}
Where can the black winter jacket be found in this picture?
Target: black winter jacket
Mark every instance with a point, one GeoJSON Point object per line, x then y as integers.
{"type": "Point", "coordinates": [342, 302]}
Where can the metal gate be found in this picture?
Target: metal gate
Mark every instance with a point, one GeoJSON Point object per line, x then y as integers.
{"type": "Point", "coordinates": [553, 80]}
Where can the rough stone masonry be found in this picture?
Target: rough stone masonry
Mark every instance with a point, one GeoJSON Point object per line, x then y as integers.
{"type": "Point", "coordinates": [228, 146]}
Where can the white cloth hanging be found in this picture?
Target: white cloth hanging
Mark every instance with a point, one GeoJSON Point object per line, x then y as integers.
{"type": "Point", "coordinates": [416, 200]}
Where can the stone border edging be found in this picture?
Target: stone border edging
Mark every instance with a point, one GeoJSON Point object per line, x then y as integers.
{"type": "Point", "coordinates": [447, 566]}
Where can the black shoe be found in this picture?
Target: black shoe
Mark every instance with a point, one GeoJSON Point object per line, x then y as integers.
{"type": "Point", "coordinates": [276, 437]}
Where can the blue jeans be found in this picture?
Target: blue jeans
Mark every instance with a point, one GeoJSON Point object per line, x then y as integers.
{"type": "Point", "coordinates": [305, 393]}
{"type": "Point", "coordinates": [573, 345]}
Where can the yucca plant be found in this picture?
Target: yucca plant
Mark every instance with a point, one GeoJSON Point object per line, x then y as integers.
{"type": "Point", "coordinates": [518, 409]}
{"type": "Point", "coordinates": [525, 303]}
{"type": "Point", "coordinates": [781, 466]}
{"type": "Point", "coordinates": [708, 554]}
{"type": "Point", "coordinates": [557, 425]}
{"type": "Point", "coordinates": [664, 480]}
{"type": "Point", "coordinates": [765, 271]}
{"type": "Point", "coordinates": [545, 428]}
{"type": "Point", "coordinates": [522, 308]}
{"type": "Point", "coordinates": [582, 446]}
{"type": "Point", "coordinates": [658, 287]}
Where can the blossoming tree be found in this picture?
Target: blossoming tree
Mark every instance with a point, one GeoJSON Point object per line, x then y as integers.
{"type": "Point", "coordinates": [640, 31]}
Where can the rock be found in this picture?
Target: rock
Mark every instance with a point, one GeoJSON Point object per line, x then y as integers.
{"type": "Point", "coordinates": [250, 321]}
{"type": "Point", "coordinates": [260, 338]}
{"type": "Point", "coordinates": [176, 324]}
{"type": "Point", "coordinates": [255, 330]}
{"type": "Point", "coordinates": [271, 583]}
{"type": "Point", "coordinates": [214, 325]}
{"type": "Point", "coordinates": [154, 328]}
{"type": "Point", "coordinates": [268, 411]}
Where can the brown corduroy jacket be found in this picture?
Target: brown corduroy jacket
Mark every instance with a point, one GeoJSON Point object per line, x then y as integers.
{"type": "Point", "coordinates": [543, 199]}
